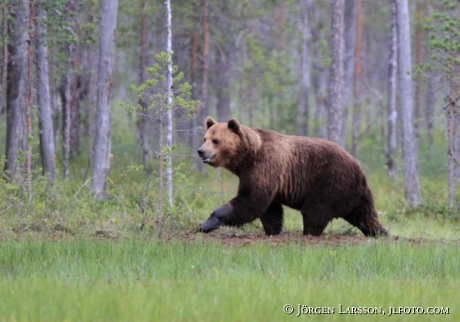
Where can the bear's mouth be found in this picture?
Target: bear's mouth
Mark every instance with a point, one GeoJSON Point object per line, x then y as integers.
{"type": "Point", "coordinates": [208, 160]}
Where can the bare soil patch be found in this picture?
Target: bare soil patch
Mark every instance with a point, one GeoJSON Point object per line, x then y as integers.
{"type": "Point", "coordinates": [226, 236]}
{"type": "Point", "coordinates": [235, 238]}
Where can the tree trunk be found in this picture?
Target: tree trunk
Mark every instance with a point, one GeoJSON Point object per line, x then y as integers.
{"type": "Point", "coordinates": [30, 53]}
{"type": "Point", "coordinates": [406, 99]}
{"type": "Point", "coordinates": [320, 87]}
{"type": "Point", "coordinates": [70, 93]}
{"type": "Point", "coordinates": [74, 103]}
{"type": "Point", "coordinates": [223, 93]}
{"type": "Point", "coordinates": [356, 132]}
{"type": "Point", "coordinates": [102, 144]}
{"type": "Point", "coordinates": [197, 119]}
{"type": "Point", "coordinates": [281, 19]}
{"type": "Point", "coordinates": [90, 63]}
{"type": "Point", "coordinates": [206, 40]}
{"type": "Point", "coordinates": [223, 99]}
{"type": "Point", "coordinates": [3, 69]}
{"type": "Point", "coordinates": [392, 116]}
{"type": "Point", "coordinates": [17, 86]}
{"type": "Point", "coordinates": [204, 111]}
{"type": "Point", "coordinates": [452, 115]}
{"type": "Point", "coordinates": [65, 97]}
{"type": "Point", "coordinates": [144, 117]}
{"type": "Point", "coordinates": [47, 147]}
{"type": "Point", "coordinates": [430, 98]}
{"type": "Point", "coordinates": [306, 69]}
{"type": "Point", "coordinates": [349, 63]}
{"type": "Point", "coordinates": [223, 76]}
{"type": "Point", "coordinates": [430, 102]}
{"type": "Point", "coordinates": [169, 112]}
{"type": "Point", "coordinates": [418, 60]}
{"type": "Point", "coordinates": [350, 20]}
{"type": "Point", "coordinates": [335, 109]}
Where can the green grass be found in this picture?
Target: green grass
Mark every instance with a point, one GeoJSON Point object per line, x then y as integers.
{"type": "Point", "coordinates": [201, 280]}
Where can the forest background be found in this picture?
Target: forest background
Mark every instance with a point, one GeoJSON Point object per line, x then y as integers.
{"type": "Point", "coordinates": [377, 77]}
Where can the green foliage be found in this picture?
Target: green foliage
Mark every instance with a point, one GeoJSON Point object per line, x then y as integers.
{"type": "Point", "coordinates": [154, 91]}
{"type": "Point", "coordinates": [153, 100]}
{"type": "Point", "coordinates": [444, 40]}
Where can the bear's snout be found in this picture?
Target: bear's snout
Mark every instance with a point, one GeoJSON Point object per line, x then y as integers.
{"type": "Point", "coordinates": [205, 155]}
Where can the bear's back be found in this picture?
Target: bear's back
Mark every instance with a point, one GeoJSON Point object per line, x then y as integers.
{"type": "Point", "coordinates": [302, 166]}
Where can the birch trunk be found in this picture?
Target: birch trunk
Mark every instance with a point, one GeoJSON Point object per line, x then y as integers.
{"type": "Point", "coordinates": [5, 55]}
{"type": "Point", "coordinates": [335, 109]}
{"type": "Point", "coordinates": [349, 63]}
{"type": "Point", "coordinates": [406, 99]}
{"type": "Point", "coordinates": [47, 147]}
{"type": "Point", "coordinates": [169, 110]}
{"type": "Point", "coordinates": [350, 45]}
{"type": "Point", "coordinates": [206, 40]}
{"type": "Point", "coordinates": [356, 131]}
{"type": "Point", "coordinates": [392, 116]}
{"type": "Point", "coordinates": [102, 144]}
{"type": "Point", "coordinates": [306, 70]}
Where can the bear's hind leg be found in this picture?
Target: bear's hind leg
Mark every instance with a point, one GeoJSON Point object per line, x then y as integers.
{"type": "Point", "coordinates": [315, 219]}
{"type": "Point", "coordinates": [272, 220]}
{"type": "Point", "coordinates": [365, 218]}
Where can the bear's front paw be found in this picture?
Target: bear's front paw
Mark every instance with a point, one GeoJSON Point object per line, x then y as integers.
{"type": "Point", "coordinates": [211, 224]}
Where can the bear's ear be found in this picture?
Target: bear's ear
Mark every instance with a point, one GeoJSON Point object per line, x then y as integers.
{"type": "Point", "coordinates": [209, 122]}
{"type": "Point", "coordinates": [234, 125]}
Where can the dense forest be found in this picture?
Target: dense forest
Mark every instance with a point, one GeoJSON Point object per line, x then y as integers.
{"type": "Point", "coordinates": [89, 88]}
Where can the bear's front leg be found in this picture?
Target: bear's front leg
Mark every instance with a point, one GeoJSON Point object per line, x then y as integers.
{"type": "Point", "coordinates": [220, 216]}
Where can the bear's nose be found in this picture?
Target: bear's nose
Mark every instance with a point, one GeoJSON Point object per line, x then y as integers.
{"type": "Point", "coordinates": [200, 152]}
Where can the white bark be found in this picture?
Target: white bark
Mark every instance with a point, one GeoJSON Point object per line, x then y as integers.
{"type": "Point", "coordinates": [357, 79]}
{"type": "Point", "coordinates": [102, 144]}
{"type": "Point", "coordinates": [47, 147]}
{"type": "Point", "coordinates": [350, 13]}
{"type": "Point", "coordinates": [350, 43]}
{"type": "Point", "coordinates": [392, 144]}
{"type": "Point", "coordinates": [406, 99]}
{"type": "Point", "coordinates": [337, 69]}
{"type": "Point", "coordinates": [169, 112]}
{"type": "Point", "coordinates": [306, 70]}
{"type": "Point", "coordinates": [5, 56]}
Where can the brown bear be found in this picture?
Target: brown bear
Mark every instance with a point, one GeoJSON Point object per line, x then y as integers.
{"type": "Point", "coordinates": [312, 175]}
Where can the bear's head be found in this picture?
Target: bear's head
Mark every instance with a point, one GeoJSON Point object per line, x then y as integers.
{"type": "Point", "coordinates": [227, 144]}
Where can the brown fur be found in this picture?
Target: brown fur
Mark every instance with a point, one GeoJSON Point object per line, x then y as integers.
{"type": "Point", "coordinates": [315, 176]}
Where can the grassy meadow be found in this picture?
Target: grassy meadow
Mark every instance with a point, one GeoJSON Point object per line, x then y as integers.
{"type": "Point", "coordinates": [202, 280]}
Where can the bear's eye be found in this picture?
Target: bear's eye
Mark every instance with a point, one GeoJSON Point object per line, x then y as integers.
{"type": "Point", "coordinates": [215, 141]}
